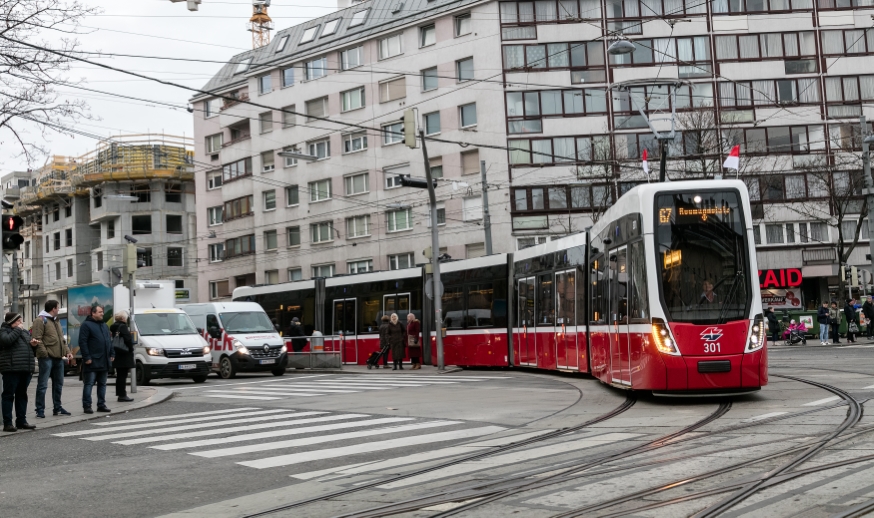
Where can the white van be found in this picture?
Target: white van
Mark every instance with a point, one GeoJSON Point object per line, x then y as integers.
{"type": "Point", "coordinates": [169, 346]}
{"type": "Point", "coordinates": [242, 337]}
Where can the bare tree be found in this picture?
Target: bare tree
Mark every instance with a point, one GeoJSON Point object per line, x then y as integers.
{"type": "Point", "coordinates": [30, 71]}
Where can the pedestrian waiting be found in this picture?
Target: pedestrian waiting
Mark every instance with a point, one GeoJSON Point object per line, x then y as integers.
{"type": "Point", "coordinates": [95, 344]}
{"type": "Point", "coordinates": [16, 366]}
{"type": "Point", "coordinates": [397, 338]}
{"type": "Point", "coordinates": [124, 356]}
{"type": "Point", "coordinates": [51, 354]}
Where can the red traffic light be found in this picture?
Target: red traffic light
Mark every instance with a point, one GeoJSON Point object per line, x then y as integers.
{"type": "Point", "coordinates": [12, 223]}
{"type": "Point", "coordinates": [11, 238]}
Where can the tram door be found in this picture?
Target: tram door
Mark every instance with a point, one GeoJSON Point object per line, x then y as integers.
{"type": "Point", "coordinates": [345, 328]}
{"type": "Point", "coordinates": [545, 341]}
{"type": "Point", "coordinates": [620, 346]}
{"type": "Point", "coordinates": [397, 303]}
{"type": "Point", "coordinates": [565, 322]}
{"type": "Point", "coordinates": [525, 316]}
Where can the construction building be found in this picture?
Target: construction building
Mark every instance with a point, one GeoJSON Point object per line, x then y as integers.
{"type": "Point", "coordinates": [79, 210]}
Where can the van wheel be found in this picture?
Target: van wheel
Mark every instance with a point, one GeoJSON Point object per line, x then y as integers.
{"type": "Point", "coordinates": [226, 368]}
{"type": "Point", "coordinates": [143, 377]}
{"type": "Point", "coordinates": [278, 372]}
{"type": "Point", "coordinates": [199, 379]}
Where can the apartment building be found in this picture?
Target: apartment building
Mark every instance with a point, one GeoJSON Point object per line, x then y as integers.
{"type": "Point", "coordinates": [558, 123]}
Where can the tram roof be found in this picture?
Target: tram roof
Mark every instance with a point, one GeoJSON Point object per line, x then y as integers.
{"type": "Point", "coordinates": [551, 246]}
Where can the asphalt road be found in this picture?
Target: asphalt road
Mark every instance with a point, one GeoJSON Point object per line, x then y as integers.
{"type": "Point", "coordinates": [370, 439]}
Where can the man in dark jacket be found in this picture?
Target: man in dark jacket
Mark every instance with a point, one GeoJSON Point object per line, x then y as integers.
{"type": "Point", "coordinates": [868, 311]}
{"type": "Point", "coordinates": [298, 336]}
{"type": "Point", "coordinates": [852, 318]}
{"type": "Point", "coordinates": [822, 319]}
{"type": "Point", "coordinates": [124, 359]}
{"type": "Point", "coordinates": [773, 324]}
{"type": "Point", "coordinates": [16, 366]}
{"type": "Point", "coordinates": [95, 344]}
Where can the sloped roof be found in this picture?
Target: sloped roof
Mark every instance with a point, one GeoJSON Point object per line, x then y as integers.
{"type": "Point", "coordinates": [383, 15]}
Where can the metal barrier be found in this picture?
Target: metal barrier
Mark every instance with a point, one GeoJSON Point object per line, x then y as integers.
{"type": "Point", "coordinates": [320, 352]}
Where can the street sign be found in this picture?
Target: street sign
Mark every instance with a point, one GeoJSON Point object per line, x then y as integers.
{"type": "Point", "coordinates": [429, 289]}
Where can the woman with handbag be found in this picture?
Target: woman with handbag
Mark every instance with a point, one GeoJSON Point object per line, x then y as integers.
{"type": "Point", "coordinates": [123, 345]}
{"type": "Point", "coordinates": [414, 342]}
{"type": "Point", "coordinates": [852, 320]}
{"type": "Point", "coordinates": [397, 338]}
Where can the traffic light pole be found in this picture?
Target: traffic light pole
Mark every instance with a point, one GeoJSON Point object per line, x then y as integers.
{"type": "Point", "coordinates": [435, 256]}
{"type": "Point", "coordinates": [16, 287]}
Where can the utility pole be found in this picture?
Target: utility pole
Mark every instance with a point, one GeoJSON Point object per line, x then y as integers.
{"type": "Point", "coordinates": [16, 287]}
{"type": "Point", "coordinates": [435, 255]}
{"type": "Point", "coordinates": [869, 184]}
{"type": "Point", "coordinates": [129, 265]}
{"type": "Point", "coordinates": [487, 220]}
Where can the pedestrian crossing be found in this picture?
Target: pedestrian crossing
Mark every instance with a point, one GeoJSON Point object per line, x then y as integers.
{"type": "Point", "coordinates": [329, 385]}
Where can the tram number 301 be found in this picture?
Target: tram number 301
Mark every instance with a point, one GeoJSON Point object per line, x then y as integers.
{"type": "Point", "coordinates": [711, 348]}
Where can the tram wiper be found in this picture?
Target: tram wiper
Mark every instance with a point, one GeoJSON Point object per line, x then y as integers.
{"type": "Point", "coordinates": [731, 291]}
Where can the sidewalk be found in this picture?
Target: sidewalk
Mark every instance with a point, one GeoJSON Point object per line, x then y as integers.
{"type": "Point", "coordinates": [71, 399]}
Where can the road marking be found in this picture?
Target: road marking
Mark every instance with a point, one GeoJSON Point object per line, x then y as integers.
{"type": "Point", "coordinates": [763, 416]}
{"type": "Point", "coordinates": [252, 448]}
{"type": "Point", "coordinates": [263, 392]}
{"type": "Point", "coordinates": [231, 396]}
{"type": "Point", "coordinates": [822, 401]}
{"type": "Point", "coordinates": [252, 382]}
{"type": "Point", "coordinates": [280, 388]}
{"type": "Point", "coordinates": [164, 418]}
{"type": "Point", "coordinates": [169, 421]}
{"type": "Point", "coordinates": [138, 433]}
{"type": "Point", "coordinates": [395, 442]}
{"type": "Point", "coordinates": [363, 383]}
{"type": "Point", "coordinates": [512, 458]}
{"type": "Point", "coordinates": [345, 386]}
{"type": "Point", "coordinates": [222, 431]}
{"type": "Point", "coordinates": [278, 433]}
{"type": "Point", "coordinates": [868, 387]}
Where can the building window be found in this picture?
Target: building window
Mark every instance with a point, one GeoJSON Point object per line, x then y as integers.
{"type": "Point", "coordinates": [472, 209]}
{"type": "Point", "coordinates": [236, 170]}
{"type": "Point", "coordinates": [427, 35]}
{"type": "Point", "coordinates": [475, 250]}
{"type": "Point", "coordinates": [323, 270]}
{"type": "Point", "coordinates": [467, 114]}
{"type": "Point", "coordinates": [213, 181]}
{"type": "Point", "coordinates": [142, 191]}
{"type": "Point", "coordinates": [352, 99]}
{"type": "Point", "coordinates": [271, 277]}
{"type": "Point", "coordinates": [69, 267]}
{"type": "Point", "coordinates": [68, 237]}
{"type": "Point", "coordinates": [526, 109]}
{"type": "Point", "coordinates": [399, 220]}
{"type": "Point", "coordinates": [322, 232]}
{"type": "Point", "coordinates": [295, 274]}
{"type": "Point", "coordinates": [392, 133]}
{"type": "Point", "coordinates": [357, 183]}
{"type": "Point", "coordinates": [173, 193]}
{"type": "Point", "coordinates": [269, 199]}
{"type": "Point", "coordinates": [243, 66]}
{"type": "Point", "coordinates": [290, 161]}
{"type": "Point", "coordinates": [293, 236]}
{"type": "Point", "coordinates": [265, 84]}
{"type": "Point", "coordinates": [432, 123]}
{"type": "Point", "coordinates": [238, 208]}
{"type": "Point", "coordinates": [287, 77]}
{"type": "Point", "coordinates": [145, 256]}
{"type": "Point", "coordinates": [436, 167]}
{"type": "Point", "coordinates": [429, 79]}
{"type": "Point", "coordinates": [214, 215]}
{"type": "Point", "coordinates": [27, 249]}
{"type": "Point", "coordinates": [288, 116]}
{"type": "Point", "coordinates": [291, 196]}
{"type": "Point", "coordinates": [47, 244]}
{"type": "Point", "coordinates": [174, 224]}
{"type": "Point", "coordinates": [219, 289]}
{"type": "Point", "coordinates": [358, 226]}
{"type": "Point", "coordinates": [744, 6]}
{"type": "Point", "coordinates": [392, 176]}
{"type": "Point", "coordinates": [330, 27]}
{"type": "Point", "coordinates": [360, 266]}
{"type": "Point", "coordinates": [353, 142]}
{"type": "Point", "coordinates": [462, 24]}
{"type": "Point", "coordinates": [174, 256]}
{"type": "Point", "coordinates": [352, 58]}
{"type": "Point", "coordinates": [320, 148]}
{"type": "Point", "coordinates": [470, 162]}
{"type": "Point", "coordinates": [97, 196]}
{"type": "Point", "coordinates": [441, 215]}
{"type": "Point", "coordinates": [464, 70]}
{"type": "Point", "coordinates": [309, 34]}
{"type": "Point", "coordinates": [268, 163]}
{"type": "Point", "coordinates": [391, 46]}
{"type": "Point", "coordinates": [211, 108]}
{"type": "Point", "coordinates": [316, 68]}
{"type": "Point", "coordinates": [216, 252]}
{"type": "Point", "coordinates": [57, 271]}
{"type": "Point", "coordinates": [141, 224]}
{"type": "Point", "coordinates": [265, 120]}
{"type": "Point", "coordinates": [393, 89]}
{"type": "Point", "coordinates": [238, 246]}
{"type": "Point", "coordinates": [400, 261]}
{"type": "Point", "coordinates": [56, 213]}
{"type": "Point", "coordinates": [283, 41]}
{"type": "Point", "coordinates": [271, 242]}
{"type": "Point", "coordinates": [358, 18]}
{"type": "Point", "coordinates": [99, 256]}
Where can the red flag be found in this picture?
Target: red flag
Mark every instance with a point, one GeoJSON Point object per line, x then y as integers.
{"type": "Point", "coordinates": [645, 164]}
{"type": "Point", "coordinates": [733, 160]}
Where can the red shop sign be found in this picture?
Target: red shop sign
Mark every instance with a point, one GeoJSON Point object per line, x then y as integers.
{"type": "Point", "coordinates": [784, 278]}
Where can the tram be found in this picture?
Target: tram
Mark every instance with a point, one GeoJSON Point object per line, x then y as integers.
{"type": "Point", "coordinates": [659, 295]}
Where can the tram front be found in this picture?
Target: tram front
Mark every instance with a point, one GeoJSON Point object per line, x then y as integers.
{"type": "Point", "coordinates": [712, 337]}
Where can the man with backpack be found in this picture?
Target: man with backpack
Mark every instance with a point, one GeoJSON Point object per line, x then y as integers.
{"type": "Point", "coordinates": [51, 352]}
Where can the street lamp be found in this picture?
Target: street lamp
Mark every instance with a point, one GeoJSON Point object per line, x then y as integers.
{"type": "Point", "coordinates": [621, 46]}
{"type": "Point", "coordinates": [299, 156]}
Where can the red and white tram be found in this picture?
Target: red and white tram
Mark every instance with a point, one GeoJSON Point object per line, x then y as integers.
{"type": "Point", "coordinates": [659, 295]}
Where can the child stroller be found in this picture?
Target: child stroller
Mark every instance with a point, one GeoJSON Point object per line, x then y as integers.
{"type": "Point", "coordinates": [373, 359]}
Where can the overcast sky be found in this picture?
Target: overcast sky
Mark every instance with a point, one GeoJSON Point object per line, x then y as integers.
{"type": "Point", "coordinates": [154, 28]}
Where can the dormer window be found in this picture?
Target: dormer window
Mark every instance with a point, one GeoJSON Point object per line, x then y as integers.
{"type": "Point", "coordinates": [331, 27]}
{"type": "Point", "coordinates": [283, 41]}
{"type": "Point", "coordinates": [358, 18]}
{"type": "Point", "coordinates": [309, 34]}
{"type": "Point", "coordinates": [242, 66]}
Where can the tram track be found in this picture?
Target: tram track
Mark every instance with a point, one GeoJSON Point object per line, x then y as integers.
{"type": "Point", "coordinates": [630, 400]}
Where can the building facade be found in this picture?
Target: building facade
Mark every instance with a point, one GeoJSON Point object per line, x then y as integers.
{"type": "Point", "coordinates": [531, 89]}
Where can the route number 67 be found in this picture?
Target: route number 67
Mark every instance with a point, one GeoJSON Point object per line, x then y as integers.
{"type": "Point", "coordinates": [711, 348]}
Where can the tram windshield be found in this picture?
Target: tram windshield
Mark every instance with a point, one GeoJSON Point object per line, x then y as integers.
{"type": "Point", "coordinates": [702, 259]}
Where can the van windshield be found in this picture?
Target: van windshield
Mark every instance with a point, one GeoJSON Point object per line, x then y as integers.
{"type": "Point", "coordinates": [157, 324]}
{"type": "Point", "coordinates": [247, 322]}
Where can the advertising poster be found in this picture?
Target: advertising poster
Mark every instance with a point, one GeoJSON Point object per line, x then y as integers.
{"type": "Point", "coordinates": [782, 298]}
{"type": "Point", "coordinates": [79, 303]}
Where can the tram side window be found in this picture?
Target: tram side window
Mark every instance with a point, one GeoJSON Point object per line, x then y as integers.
{"type": "Point", "coordinates": [618, 276]}
{"type": "Point", "coordinates": [453, 307]}
{"type": "Point", "coordinates": [565, 290]}
{"type": "Point", "coordinates": [639, 298]}
{"type": "Point", "coordinates": [370, 315]}
{"type": "Point", "coordinates": [545, 300]}
{"type": "Point", "coordinates": [599, 291]}
{"type": "Point", "coordinates": [525, 301]}
{"type": "Point", "coordinates": [486, 306]}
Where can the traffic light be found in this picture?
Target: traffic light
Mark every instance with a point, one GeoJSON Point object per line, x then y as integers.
{"type": "Point", "coordinates": [846, 273]}
{"type": "Point", "coordinates": [11, 238]}
{"type": "Point", "coordinates": [418, 183]}
{"type": "Point", "coordinates": [410, 119]}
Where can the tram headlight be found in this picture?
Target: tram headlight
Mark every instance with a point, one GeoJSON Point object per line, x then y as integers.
{"type": "Point", "coordinates": [664, 340]}
{"type": "Point", "coordinates": [756, 338]}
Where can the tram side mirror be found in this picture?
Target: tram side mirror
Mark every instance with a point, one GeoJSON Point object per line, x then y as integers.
{"type": "Point", "coordinates": [215, 332]}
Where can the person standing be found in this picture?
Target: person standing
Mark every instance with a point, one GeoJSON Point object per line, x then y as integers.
{"type": "Point", "coordinates": [124, 359]}
{"type": "Point", "coordinates": [868, 311]}
{"type": "Point", "coordinates": [95, 343]}
{"type": "Point", "coordinates": [50, 354]}
{"type": "Point", "coordinates": [16, 366]}
{"type": "Point", "coordinates": [822, 320]}
{"type": "Point", "coordinates": [383, 340]}
{"type": "Point", "coordinates": [397, 338]}
{"type": "Point", "coordinates": [834, 321]}
{"type": "Point", "coordinates": [852, 318]}
{"type": "Point", "coordinates": [298, 336]}
{"type": "Point", "coordinates": [414, 341]}
{"type": "Point", "coordinates": [773, 325]}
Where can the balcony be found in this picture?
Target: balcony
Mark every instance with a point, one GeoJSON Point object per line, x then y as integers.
{"type": "Point", "coordinates": [818, 256]}
{"type": "Point", "coordinates": [231, 102]}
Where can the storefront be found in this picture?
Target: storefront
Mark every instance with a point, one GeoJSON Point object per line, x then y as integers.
{"type": "Point", "coordinates": [782, 289]}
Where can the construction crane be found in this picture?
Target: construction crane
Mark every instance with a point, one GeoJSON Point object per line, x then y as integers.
{"type": "Point", "coordinates": [260, 23]}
